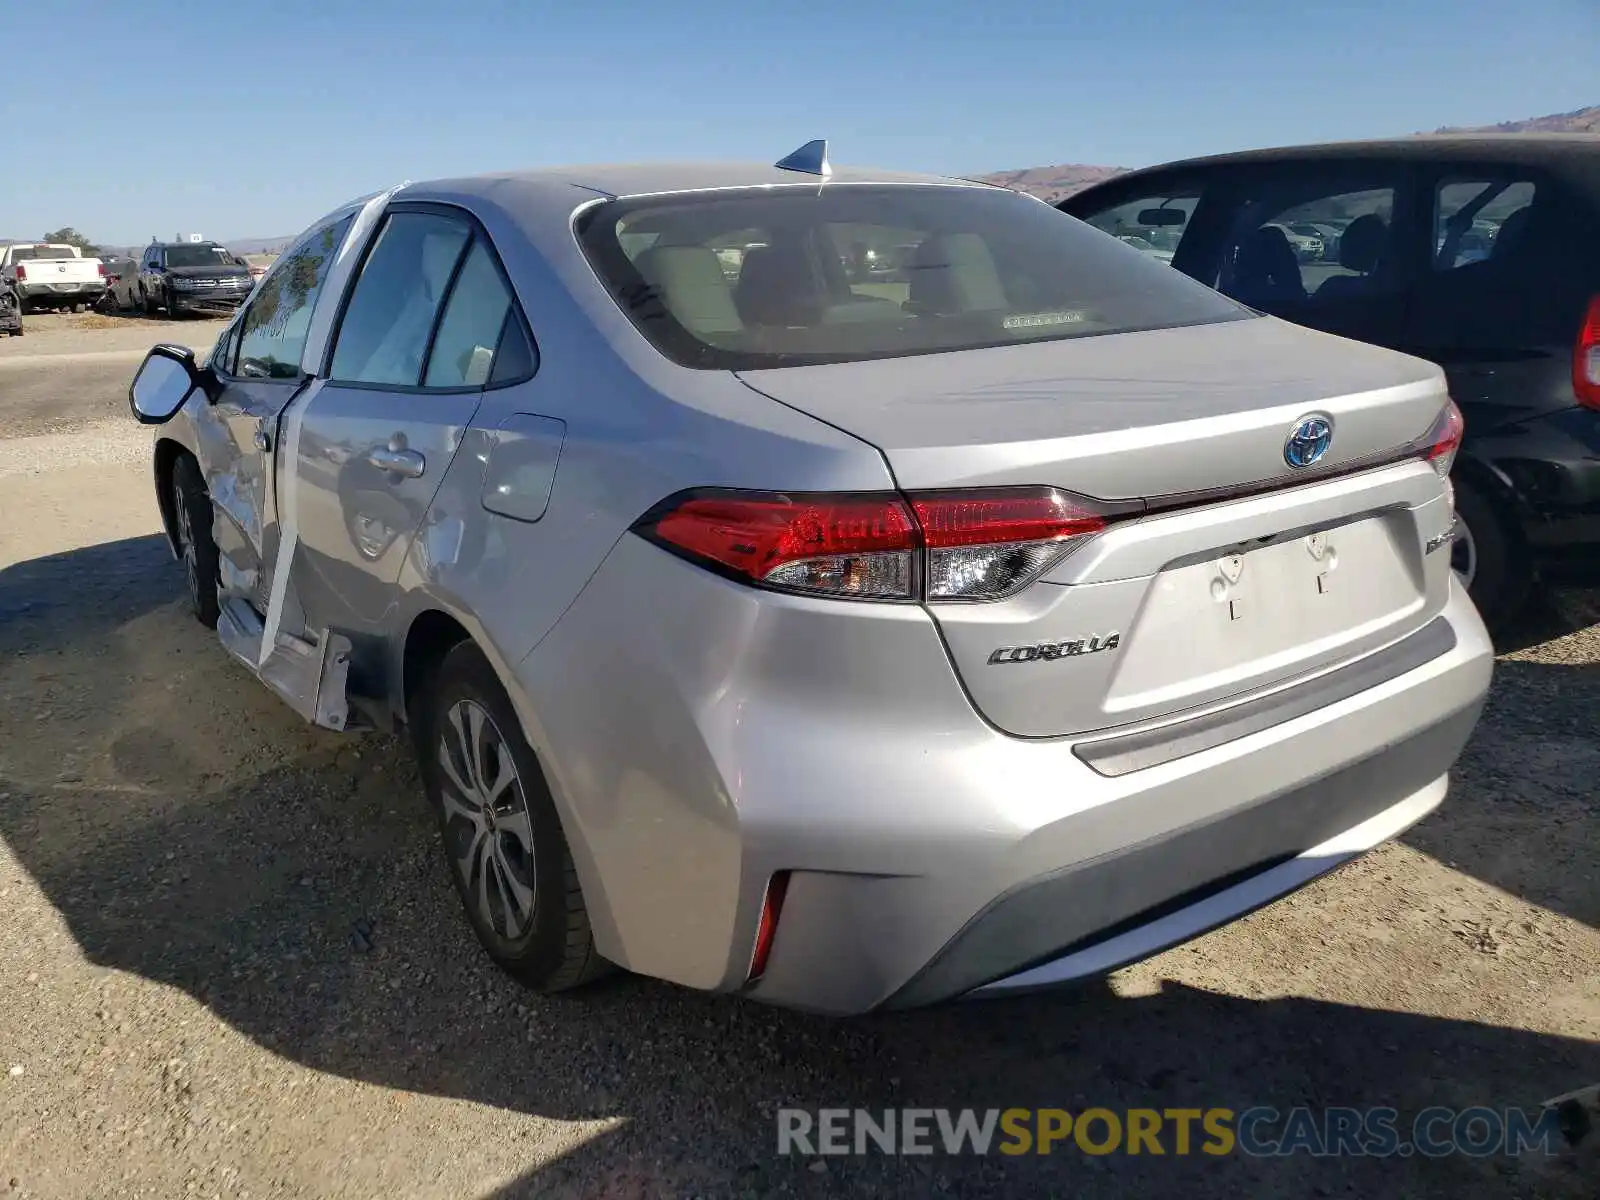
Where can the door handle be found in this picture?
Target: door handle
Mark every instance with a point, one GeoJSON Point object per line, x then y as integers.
{"type": "Point", "coordinates": [405, 463]}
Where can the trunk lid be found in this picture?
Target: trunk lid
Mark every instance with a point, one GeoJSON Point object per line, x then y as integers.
{"type": "Point", "coordinates": [1209, 595]}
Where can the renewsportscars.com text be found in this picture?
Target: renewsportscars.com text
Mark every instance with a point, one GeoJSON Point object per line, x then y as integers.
{"type": "Point", "coordinates": [1260, 1131]}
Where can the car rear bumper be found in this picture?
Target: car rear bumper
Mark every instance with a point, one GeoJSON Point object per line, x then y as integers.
{"type": "Point", "coordinates": [927, 854]}
{"type": "Point", "coordinates": [80, 289]}
{"type": "Point", "coordinates": [1552, 464]}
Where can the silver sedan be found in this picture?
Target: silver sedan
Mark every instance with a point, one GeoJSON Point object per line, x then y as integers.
{"type": "Point", "coordinates": [847, 639]}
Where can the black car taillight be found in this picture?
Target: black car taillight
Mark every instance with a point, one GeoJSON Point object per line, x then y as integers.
{"type": "Point", "coordinates": [968, 545]}
{"type": "Point", "coordinates": [1586, 358]}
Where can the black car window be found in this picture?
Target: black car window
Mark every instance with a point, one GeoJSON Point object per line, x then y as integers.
{"type": "Point", "coordinates": [272, 333]}
{"type": "Point", "coordinates": [1469, 216]}
{"type": "Point", "coordinates": [469, 331]}
{"type": "Point", "coordinates": [1154, 223]}
{"type": "Point", "coordinates": [384, 335]}
{"type": "Point", "coordinates": [198, 256]}
{"type": "Point", "coordinates": [1294, 239]}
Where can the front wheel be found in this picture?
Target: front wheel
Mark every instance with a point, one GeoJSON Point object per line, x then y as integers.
{"type": "Point", "coordinates": [507, 853]}
{"type": "Point", "coordinates": [1490, 558]}
{"type": "Point", "coordinates": [191, 521]}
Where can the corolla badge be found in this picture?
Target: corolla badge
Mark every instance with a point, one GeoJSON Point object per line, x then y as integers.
{"type": "Point", "coordinates": [1308, 440]}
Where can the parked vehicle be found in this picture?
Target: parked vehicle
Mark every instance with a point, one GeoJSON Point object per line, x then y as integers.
{"type": "Point", "coordinates": [1307, 247]}
{"type": "Point", "coordinates": [1481, 253]}
{"type": "Point", "coordinates": [121, 276]}
{"type": "Point", "coordinates": [190, 277]}
{"type": "Point", "coordinates": [848, 645]}
{"type": "Point", "coordinates": [48, 275]}
{"type": "Point", "coordinates": [10, 311]}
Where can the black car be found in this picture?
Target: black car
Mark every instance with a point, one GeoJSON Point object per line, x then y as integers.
{"type": "Point", "coordinates": [1481, 253]}
{"type": "Point", "coordinates": [190, 277]}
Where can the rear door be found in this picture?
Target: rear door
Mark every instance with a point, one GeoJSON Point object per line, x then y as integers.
{"type": "Point", "coordinates": [1509, 276]}
{"type": "Point", "coordinates": [429, 321]}
{"type": "Point", "coordinates": [259, 370]}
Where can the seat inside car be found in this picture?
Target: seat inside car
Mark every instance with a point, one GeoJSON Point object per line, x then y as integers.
{"type": "Point", "coordinates": [1266, 271]}
{"type": "Point", "coordinates": [1360, 250]}
{"type": "Point", "coordinates": [778, 287]}
{"type": "Point", "coordinates": [955, 273]}
{"type": "Point", "coordinates": [693, 286]}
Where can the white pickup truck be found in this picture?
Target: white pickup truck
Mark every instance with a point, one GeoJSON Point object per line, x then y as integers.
{"type": "Point", "coordinates": [51, 276]}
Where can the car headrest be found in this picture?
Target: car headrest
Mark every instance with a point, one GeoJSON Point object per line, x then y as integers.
{"type": "Point", "coordinates": [778, 287]}
{"type": "Point", "coordinates": [1361, 244]}
{"type": "Point", "coordinates": [955, 273]}
{"type": "Point", "coordinates": [692, 286]}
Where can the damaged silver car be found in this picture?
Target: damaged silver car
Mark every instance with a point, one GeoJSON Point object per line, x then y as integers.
{"type": "Point", "coordinates": [848, 639]}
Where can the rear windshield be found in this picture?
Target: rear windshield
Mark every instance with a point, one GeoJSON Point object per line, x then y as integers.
{"type": "Point", "coordinates": [34, 253]}
{"type": "Point", "coordinates": [198, 256]}
{"type": "Point", "coordinates": [748, 279]}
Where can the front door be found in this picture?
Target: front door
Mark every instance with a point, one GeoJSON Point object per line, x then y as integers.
{"type": "Point", "coordinates": [413, 353]}
{"type": "Point", "coordinates": [259, 372]}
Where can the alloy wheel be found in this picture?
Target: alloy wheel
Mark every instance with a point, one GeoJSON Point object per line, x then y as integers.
{"type": "Point", "coordinates": [186, 546]}
{"type": "Point", "coordinates": [488, 832]}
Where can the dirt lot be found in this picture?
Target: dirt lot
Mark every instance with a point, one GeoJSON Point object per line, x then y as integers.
{"type": "Point", "coordinates": [231, 964]}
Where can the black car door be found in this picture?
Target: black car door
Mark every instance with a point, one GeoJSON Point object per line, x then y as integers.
{"type": "Point", "coordinates": [1329, 245]}
{"type": "Point", "coordinates": [1504, 289]}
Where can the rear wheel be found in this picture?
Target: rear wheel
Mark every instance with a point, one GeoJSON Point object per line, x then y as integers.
{"type": "Point", "coordinates": [1490, 558]}
{"type": "Point", "coordinates": [507, 854]}
{"type": "Point", "coordinates": [191, 521]}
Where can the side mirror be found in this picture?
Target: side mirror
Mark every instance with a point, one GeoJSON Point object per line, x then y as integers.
{"type": "Point", "coordinates": [165, 381]}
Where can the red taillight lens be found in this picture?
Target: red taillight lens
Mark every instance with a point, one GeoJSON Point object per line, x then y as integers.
{"type": "Point", "coordinates": [1439, 444]}
{"type": "Point", "coordinates": [1586, 358]}
{"type": "Point", "coordinates": [101, 268]}
{"type": "Point", "coordinates": [771, 909]}
{"type": "Point", "coordinates": [838, 545]}
{"type": "Point", "coordinates": [980, 544]}
{"type": "Point", "coordinates": [990, 544]}
{"type": "Point", "coordinates": [22, 271]}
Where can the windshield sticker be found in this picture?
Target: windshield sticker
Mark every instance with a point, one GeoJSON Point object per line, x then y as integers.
{"type": "Point", "coordinates": [1039, 320]}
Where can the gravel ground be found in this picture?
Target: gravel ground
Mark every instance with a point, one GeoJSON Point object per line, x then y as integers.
{"type": "Point", "coordinates": [232, 966]}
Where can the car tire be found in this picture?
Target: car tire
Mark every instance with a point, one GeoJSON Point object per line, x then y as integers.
{"type": "Point", "coordinates": [1490, 556]}
{"type": "Point", "coordinates": [522, 900]}
{"type": "Point", "coordinates": [191, 524]}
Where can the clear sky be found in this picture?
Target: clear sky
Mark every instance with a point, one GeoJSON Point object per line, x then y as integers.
{"type": "Point", "coordinates": [133, 118]}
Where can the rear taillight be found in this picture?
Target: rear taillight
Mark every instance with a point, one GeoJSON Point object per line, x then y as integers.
{"type": "Point", "coordinates": [987, 545]}
{"type": "Point", "coordinates": [1586, 358]}
{"type": "Point", "coordinates": [101, 268]}
{"type": "Point", "coordinates": [979, 544]}
{"type": "Point", "coordinates": [1439, 444]}
{"type": "Point", "coordinates": [858, 546]}
{"type": "Point", "coordinates": [22, 271]}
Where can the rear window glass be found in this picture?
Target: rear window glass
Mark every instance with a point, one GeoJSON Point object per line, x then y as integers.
{"type": "Point", "coordinates": [35, 253]}
{"type": "Point", "coordinates": [198, 256]}
{"type": "Point", "coordinates": [742, 280]}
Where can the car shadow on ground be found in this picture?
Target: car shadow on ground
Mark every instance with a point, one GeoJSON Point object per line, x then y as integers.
{"type": "Point", "coordinates": [198, 836]}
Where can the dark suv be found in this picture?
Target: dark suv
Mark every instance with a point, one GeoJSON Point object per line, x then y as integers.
{"type": "Point", "coordinates": [191, 277]}
{"type": "Point", "coordinates": [1481, 253]}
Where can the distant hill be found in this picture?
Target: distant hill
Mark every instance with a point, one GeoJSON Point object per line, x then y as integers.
{"type": "Point", "coordinates": [1579, 120]}
{"type": "Point", "coordinates": [1052, 183]}
{"type": "Point", "coordinates": [1058, 182]}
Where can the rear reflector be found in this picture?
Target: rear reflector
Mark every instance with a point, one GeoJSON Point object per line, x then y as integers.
{"type": "Point", "coordinates": [767, 929]}
{"type": "Point", "coordinates": [1586, 358]}
{"type": "Point", "coordinates": [971, 545]}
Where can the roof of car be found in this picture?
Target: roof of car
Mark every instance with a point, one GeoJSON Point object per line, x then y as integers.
{"type": "Point", "coordinates": [648, 178]}
{"type": "Point", "coordinates": [1532, 149]}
